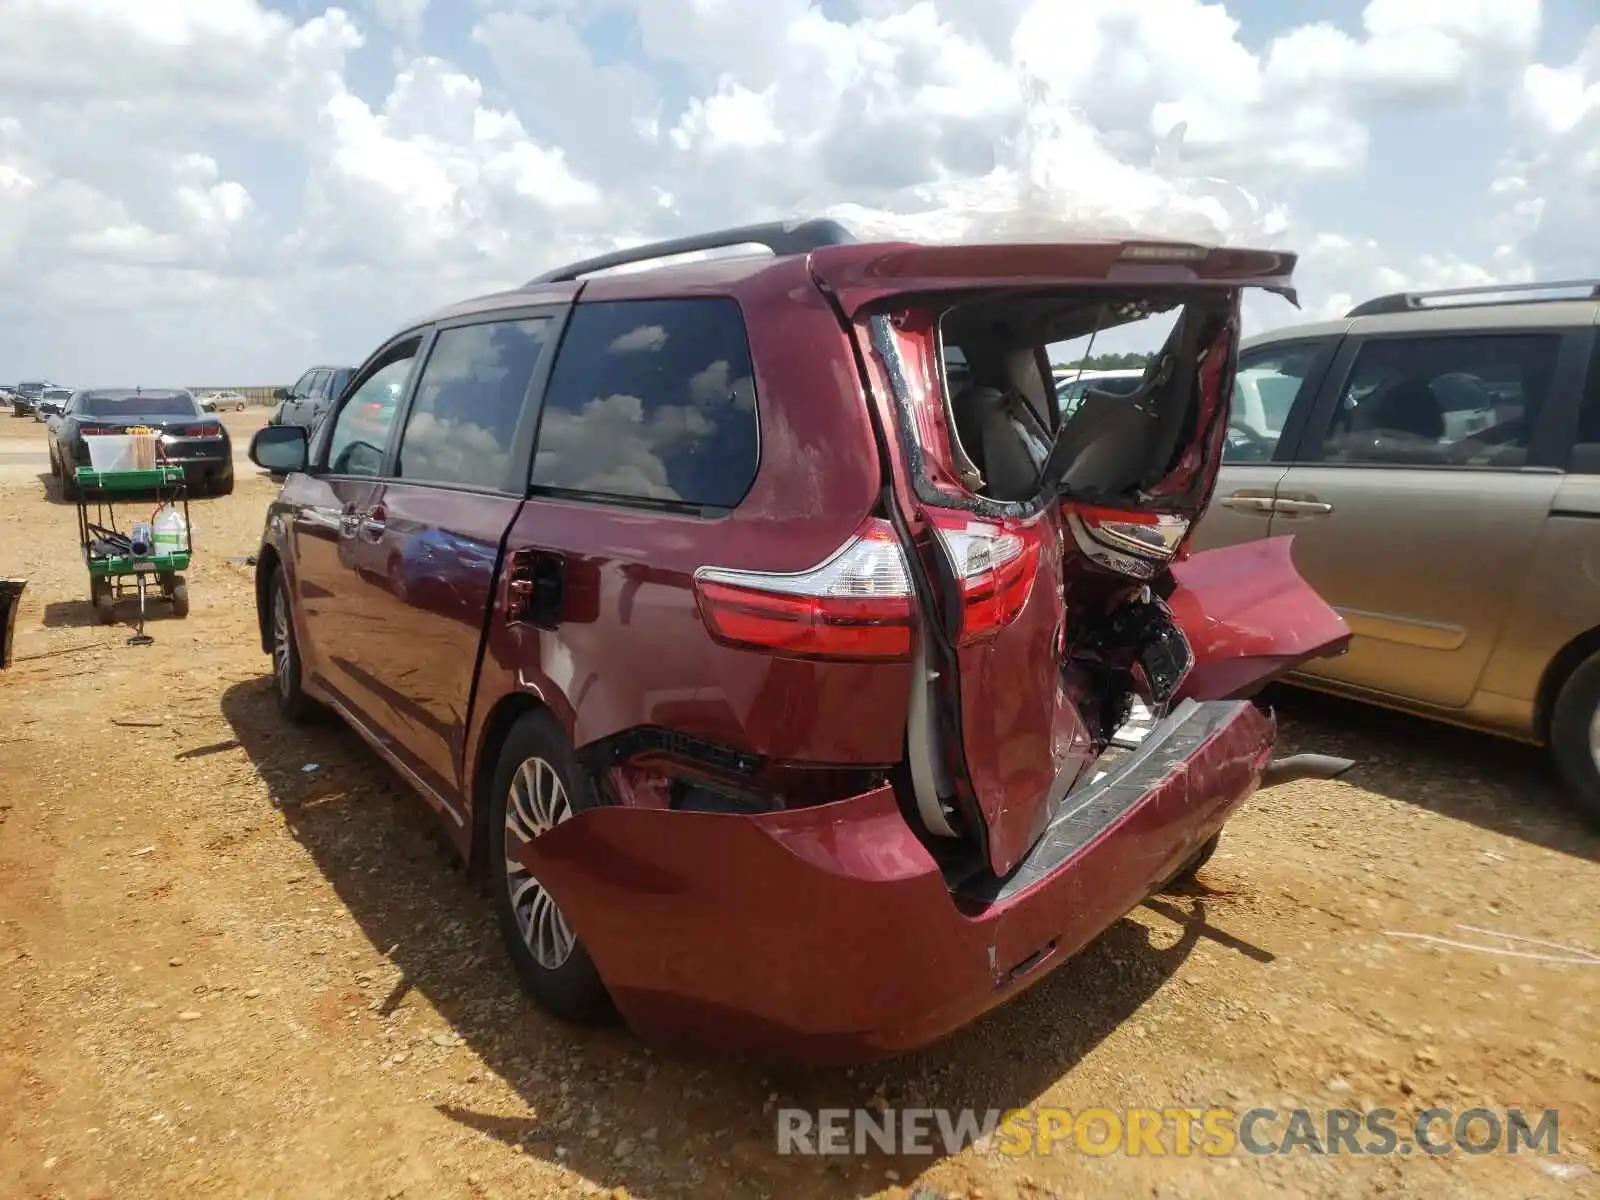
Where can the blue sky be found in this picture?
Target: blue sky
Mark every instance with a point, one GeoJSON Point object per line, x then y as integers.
{"type": "Point", "coordinates": [225, 190]}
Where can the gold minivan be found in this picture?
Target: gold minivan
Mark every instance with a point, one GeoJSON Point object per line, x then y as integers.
{"type": "Point", "coordinates": [1436, 456]}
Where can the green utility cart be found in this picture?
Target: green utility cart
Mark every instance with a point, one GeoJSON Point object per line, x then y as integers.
{"type": "Point", "coordinates": [119, 564]}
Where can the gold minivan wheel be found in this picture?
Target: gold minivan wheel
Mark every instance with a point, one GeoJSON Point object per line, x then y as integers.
{"type": "Point", "coordinates": [1575, 735]}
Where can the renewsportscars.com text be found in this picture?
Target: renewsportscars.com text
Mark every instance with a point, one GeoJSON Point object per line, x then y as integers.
{"type": "Point", "coordinates": [1173, 1131]}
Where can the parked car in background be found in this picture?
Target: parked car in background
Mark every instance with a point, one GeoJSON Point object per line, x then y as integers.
{"type": "Point", "coordinates": [51, 401]}
{"type": "Point", "coordinates": [25, 397]}
{"type": "Point", "coordinates": [1436, 456]}
{"type": "Point", "coordinates": [190, 438]}
{"type": "Point", "coordinates": [769, 722]}
{"type": "Point", "coordinates": [307, 402]}
{"type": "Point", "coordinates": [224, 402]}
{"type": "Point", "coordinates": [1073, 386]}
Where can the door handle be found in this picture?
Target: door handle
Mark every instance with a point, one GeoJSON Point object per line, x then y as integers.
{"type": "Point", "coordinates": [1244, 502]}
{"type": "Point", "coordinates": [1305, 508]}
{"type": "Point", "coordinates": [374, 523]}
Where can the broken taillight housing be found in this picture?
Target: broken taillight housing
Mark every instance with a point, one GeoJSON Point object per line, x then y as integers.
{"type": "Point", "coordinates": [996, 563]}
{"type": "Point", "coordinates": [1137, 544]}
{"type": "Point", "coordinates": [854, 605]}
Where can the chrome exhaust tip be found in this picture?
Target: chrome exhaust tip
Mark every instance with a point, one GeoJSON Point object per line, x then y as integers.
{"type": "Point", "coordinates": [1304, 766]}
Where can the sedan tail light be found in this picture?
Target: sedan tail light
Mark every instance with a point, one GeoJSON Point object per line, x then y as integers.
{"type": "Point", "coordinates": [1137, 544]}
{"type": "Point", "coordinates": [197, 431]}
{"type": "Point", "coordinates": [91, 430]}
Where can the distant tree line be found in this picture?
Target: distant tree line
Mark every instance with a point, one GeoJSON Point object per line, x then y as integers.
{"type": "Point", "coordinates": [1104, 362]}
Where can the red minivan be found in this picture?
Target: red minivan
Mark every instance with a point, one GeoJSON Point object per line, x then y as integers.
{"type": "Point", "coordinates": [767, 668]}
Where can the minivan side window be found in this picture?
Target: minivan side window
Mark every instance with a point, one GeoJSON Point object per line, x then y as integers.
{"type": "Point", "coordinates": [1586, 446]}
{"type": "Point", "coordinates": [1266, 387]}
{"type": "Point", "coordinates": [1461, 400]}
{"type": "Point", "coordinates": [469, 398]}
{"type": "Point", "coordinates": [303, 385]}
{"type": "Point", "coordinates": [361, 430]}
{"type": "Point", "coordinates": [651, 400]}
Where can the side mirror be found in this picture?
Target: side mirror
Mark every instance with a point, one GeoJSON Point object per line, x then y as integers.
{"type": "Point", "coordinates": [279, 449]}
{"type": "Point", "coordinates": [280, 393]}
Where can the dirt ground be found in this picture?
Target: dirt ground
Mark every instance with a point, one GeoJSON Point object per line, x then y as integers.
{"type": "Point", "coordinates": [225, 973]}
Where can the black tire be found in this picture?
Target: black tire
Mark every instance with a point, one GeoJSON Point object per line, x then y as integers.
{"type": "Point", "coordinates": [222, 486]}
{"type": "Point", "coordinates": [179, 595]}
{"type": "Point", "coordinates": [1575, 736]}
{"type": "Point", "coordinates": [287, 687]}
{"type": "Point", "coordinates": [69, 483]}
{"type": "Point", "coordinates": [1186, 874]}
{"type": "Point", "coordinates": [571, 987]}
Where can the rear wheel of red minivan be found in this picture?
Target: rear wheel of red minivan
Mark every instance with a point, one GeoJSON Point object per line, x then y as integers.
{"type": "Point", "coordinates": [537, 785]}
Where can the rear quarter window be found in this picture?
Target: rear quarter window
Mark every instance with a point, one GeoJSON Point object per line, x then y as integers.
{"type": "Point", "coordinates": [651, 400]}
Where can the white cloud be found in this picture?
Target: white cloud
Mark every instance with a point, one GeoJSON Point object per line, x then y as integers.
{"type": "Point", "coordinates": [1549, 189]}
{"type": "Point", "coordinates": [642, 337]}
{"type": "Point", "coordinates": [637, 445]}
{"type": "Point", "coordinates": [432, 168]}
{"type": "Point", "coordinates": [1336, 273]}
{"type": "Point", "coordinates": [403, 15]}
{"type": "Point", "coordinates": [217, 183]}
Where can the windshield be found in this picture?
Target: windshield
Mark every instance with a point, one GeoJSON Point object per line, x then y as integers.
{"type": "Point", "coordinates": [57, 393]}
{"type": "Point", "coordinates": [139, 406]}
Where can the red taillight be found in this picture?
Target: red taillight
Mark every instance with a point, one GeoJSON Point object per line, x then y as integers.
{"type": "Point", "coordinates": [997, 564]}
{"type": "Point", "coordinates": [854, 606]}
{"type": "Point", "coordinates": [196, 431]}
{"type": "Point", "coordinates": [1138, 544]}
{"type": "Point", "coordinates": [91, 430]}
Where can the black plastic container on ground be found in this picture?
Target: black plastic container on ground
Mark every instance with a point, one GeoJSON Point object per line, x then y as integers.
{"type": "Point", "coordinates": [10, 601]}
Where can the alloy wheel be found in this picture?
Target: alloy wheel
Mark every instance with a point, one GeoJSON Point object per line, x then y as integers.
{"type": "Point", "coordinates": [537, 803]}
{"type": "Point", "coordinates": [281, 660]}
{"type": "Point", "coordinates": [1594, 737]}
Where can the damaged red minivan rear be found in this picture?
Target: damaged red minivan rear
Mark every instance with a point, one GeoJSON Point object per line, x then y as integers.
{"type": "Point", "coordinates": [771, 662]}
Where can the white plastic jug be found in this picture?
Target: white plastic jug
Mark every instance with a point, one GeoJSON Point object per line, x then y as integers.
{"type": "Point", "coordinates": [171, 530]}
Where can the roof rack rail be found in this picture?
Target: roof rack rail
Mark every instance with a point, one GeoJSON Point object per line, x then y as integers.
{"type": "Point", "coordinates": [780, 237]}
{"type": "Point", "coordinates": [1399, 302]}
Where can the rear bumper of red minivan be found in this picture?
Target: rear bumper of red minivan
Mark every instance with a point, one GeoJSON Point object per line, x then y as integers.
{"type": "Point", "coordinates": [829, 934]}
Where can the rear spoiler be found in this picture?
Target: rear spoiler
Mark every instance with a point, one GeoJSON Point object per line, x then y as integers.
{"type": "Point", "coordinates": [870, 271]}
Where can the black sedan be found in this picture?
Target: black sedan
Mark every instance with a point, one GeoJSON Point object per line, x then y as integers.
{"type": "Point", "coordinates": [25, 397]}
{"type": "Point", "coordinates": [190, 437]}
